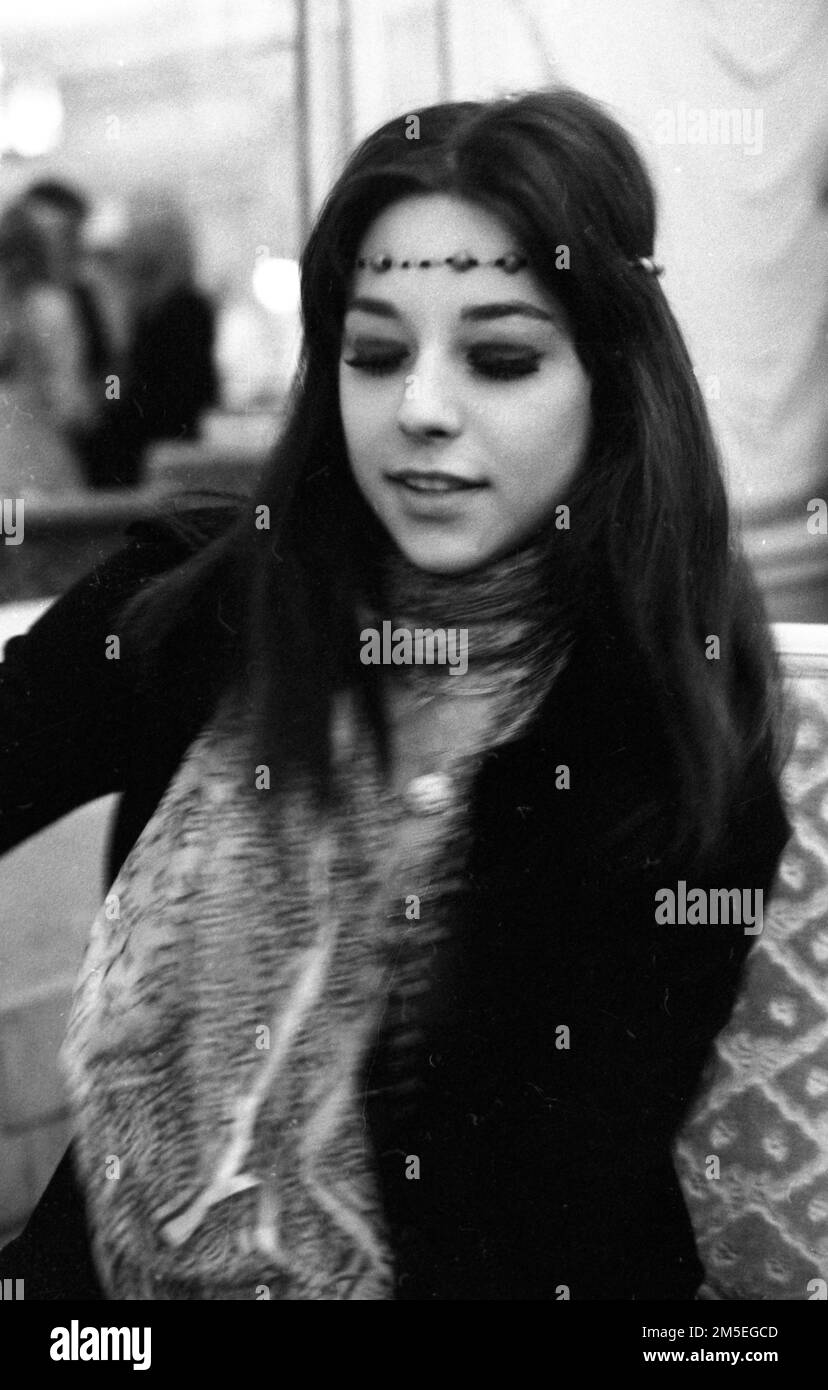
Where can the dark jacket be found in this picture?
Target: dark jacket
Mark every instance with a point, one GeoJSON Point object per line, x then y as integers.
{"type": "Point", "coordinates": [170, 379]}
{"type": "Point", "coordinates": [545, 1165]}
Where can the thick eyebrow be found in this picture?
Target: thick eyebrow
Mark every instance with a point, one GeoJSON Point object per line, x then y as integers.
{"type": "Point", "coordinates": [381, 307]}
{"type": "Point", "coordinates": [478, 313]}
{"type": "Point", "coordinates": [482, 313]}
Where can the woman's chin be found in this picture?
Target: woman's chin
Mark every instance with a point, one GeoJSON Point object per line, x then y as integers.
{"type": "Point", "coordinates": [444, 560]}
{"type": "Point", "coordinates": [444, 554]}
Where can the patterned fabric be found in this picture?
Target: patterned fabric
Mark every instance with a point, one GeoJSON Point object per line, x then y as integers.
{"type": "Point", "coordinates": [762, 1222]}
{"type": "Point", "coordinates": [234, 1168]}
{"type": "Point", "coordinates": [223, 1014]}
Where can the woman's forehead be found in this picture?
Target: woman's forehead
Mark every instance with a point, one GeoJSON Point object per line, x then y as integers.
{"type": "Point", "coordinates": [403, 300]}
{"type": "Point", "coordinates": [390, 280]}
{"type": "Point", "coordinates": [434, 226]}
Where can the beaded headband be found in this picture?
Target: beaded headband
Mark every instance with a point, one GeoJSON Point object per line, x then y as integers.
{"type": "Point", "coordinates": [461, 260]}
{"type": "Point", "coordinates": [511, 262]}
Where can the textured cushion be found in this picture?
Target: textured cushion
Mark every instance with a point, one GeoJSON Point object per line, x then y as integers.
{"type": "Point", "coordinates": [761, 1213]}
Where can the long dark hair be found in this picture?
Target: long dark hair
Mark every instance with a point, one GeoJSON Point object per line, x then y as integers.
{"type": "Point", "coordinates": [650, 540]}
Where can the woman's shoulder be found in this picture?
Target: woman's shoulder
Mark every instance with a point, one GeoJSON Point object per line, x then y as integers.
{"type": "Point", "coordinates": [156, 544]}
{"type": "Point", "coordinates": [187, 527]}
{"type": "Point", "coordinates": [89, 610]}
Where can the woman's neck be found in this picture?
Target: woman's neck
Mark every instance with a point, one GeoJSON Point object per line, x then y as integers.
{"type": "Point", "coordinates": [499, 621]}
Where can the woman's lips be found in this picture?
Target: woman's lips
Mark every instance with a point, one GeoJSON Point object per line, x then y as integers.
{"type": "Point", "coordinates": [433, 484]}
{"type": "Point", "coordinates": [435, 497]}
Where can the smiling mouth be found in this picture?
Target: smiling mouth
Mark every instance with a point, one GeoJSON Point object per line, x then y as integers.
{"type": "Point", "coordinates": [433, 483]}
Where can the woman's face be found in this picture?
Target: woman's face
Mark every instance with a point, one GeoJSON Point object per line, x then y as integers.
{"type": "Point", "coordinates": [465, 408]}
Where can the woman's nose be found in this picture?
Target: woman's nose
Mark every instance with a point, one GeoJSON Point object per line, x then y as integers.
{"type": "Point", "coordinates": [428, 406]}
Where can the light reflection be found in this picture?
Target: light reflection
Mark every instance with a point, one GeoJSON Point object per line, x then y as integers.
{"type": "Point", "coordinates": [31, 117]}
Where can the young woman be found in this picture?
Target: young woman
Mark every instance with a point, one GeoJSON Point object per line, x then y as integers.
{"type": "Point", "coordinates": [382, 1002]}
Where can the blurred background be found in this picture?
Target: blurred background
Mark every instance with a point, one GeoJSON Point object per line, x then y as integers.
{"type": "Point", "coordinates": [161, 162]}
{"type": "Point", "coordinates": [191, 142]}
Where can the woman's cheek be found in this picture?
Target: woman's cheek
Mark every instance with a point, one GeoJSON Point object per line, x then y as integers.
{"type": "Point", "coordinates": [542, 461]}
{"type": "Point", "coordinates": [365, 415]}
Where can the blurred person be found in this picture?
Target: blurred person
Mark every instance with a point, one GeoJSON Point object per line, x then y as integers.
{"type": "Point", "coordinates": [45, 394]}
{"type": "Point", "coordinates": [61, 213]}
{"type": "Point", "coordinates": [169, 375]}
{"type": "Point", "coordinates": [379, 1004]}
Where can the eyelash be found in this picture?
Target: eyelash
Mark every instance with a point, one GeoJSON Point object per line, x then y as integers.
{"type": "Point", "coordinates": [495, 369]}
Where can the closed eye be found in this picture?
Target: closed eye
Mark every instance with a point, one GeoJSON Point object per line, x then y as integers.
{"type": "Point", "coordinates": [376, 363]}
{"type": "Point", "coordinates": [494, 365]}
{"type": "Point", "coordinates": [504, 365]}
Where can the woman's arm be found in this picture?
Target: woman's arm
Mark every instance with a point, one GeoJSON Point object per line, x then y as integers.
{"type": "Point", "coordinates": [66, 697]}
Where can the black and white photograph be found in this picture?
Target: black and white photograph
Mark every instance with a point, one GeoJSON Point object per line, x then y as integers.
{"type": "Point", "coordinates": [414, 679]}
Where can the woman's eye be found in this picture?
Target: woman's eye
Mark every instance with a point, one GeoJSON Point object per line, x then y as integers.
{"type": "Point", "coordinates": [375, 363]}
{"type": "Point", "coordinates": [504, 366]}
